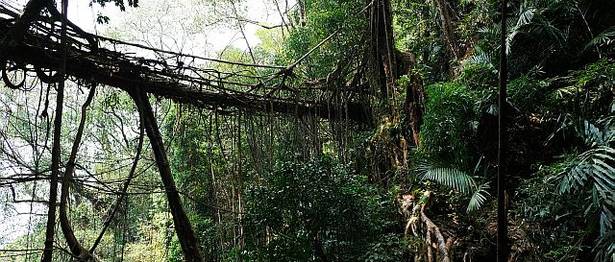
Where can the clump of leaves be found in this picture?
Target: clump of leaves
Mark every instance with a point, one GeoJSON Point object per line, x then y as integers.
{"type": "Point", "coordinates": [527, 93]}
{"type": "Point", "coordinates": [478, 73]}
{"type": "Point", "coordinates": [457, 180]}
{"type": "Point", "coordinates": [593, 173]}
{"type": "Point", "coordinates": [589, 90]}
{"type": "Point", "coordinates": [307, 211]}
{"type": "Point", "coordinates": [604, 40]}
{"type": "Point", "coordinates": [103, 19]}
{"type": "Point", "coordinates": [555, 221]}
{"type": "Point", "coordinates": [447, 124]}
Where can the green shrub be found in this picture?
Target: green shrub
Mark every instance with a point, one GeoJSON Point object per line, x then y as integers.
{"type": "Point", "coordinates": [478, 76]}
{"type": "Point", "coordinates": [447, 128]}
{"type": "Point", "coordinates": [527, 93]}
{"type": "Point", "coordinates": [304, 211]}
{"type": "Point", "coordinates": [555, 222]}
{"type": "Point", "coordinates": [587, 92]}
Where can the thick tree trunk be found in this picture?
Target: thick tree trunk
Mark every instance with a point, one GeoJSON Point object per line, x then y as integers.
{"type": "Point", "coordinates": [413, 108]}
{"type": "Point", "coordinates": [185, 234]}
{"type": "Point", "coordinates": [415, 97]}
{"type": "Point", "coordinates": [387, 65]}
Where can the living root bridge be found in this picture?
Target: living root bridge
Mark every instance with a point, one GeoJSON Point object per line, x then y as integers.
{"type": "Point", "coordinates": [111, 68]}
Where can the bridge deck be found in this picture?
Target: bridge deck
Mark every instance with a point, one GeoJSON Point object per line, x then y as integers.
{"type": "Point", "coordinates": [182, 78]}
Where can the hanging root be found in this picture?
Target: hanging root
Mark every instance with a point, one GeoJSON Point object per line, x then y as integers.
{"type": "Point", "coordinates": [76, 248]}
{"type": "Point", "coordinates": [414, 212]}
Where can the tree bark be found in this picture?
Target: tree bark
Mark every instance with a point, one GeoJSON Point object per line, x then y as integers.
{"type": "Point", "coordinates": [441, 243]}
{"type": "Point", "coordinates": [185, 234]}
{"type": "Point", "coordinates": [415, 97]}
{"type": "Point", "coordinates": [503, 248]}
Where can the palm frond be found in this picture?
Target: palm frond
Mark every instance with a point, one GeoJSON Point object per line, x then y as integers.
{"type": "Point", "coordinates": [608, 129]}
{"type": "Point", "coordinates": [597, 164]}
{"type": "Point", "coordinates": [605, 248]}
{"type": "Point", "coordinates": [531, 20]}
{"type": "Point", "coordinates": [480, 57]}
{"type": "Point", "coordinates": [526, 14]}
{"type": "Point", "coordinates": [526, 17]}
{"type": "Point", "coordinates": [606, 220]}
{"type": "Point", "coordinates": [449, 177]}
{"type": "Point", "coordinates": [594, 170]}
{"type": "Point", "coordinates": [479, 197]}
{"type": "Point", "coordinates": [605, 38]}
{"type": "Point", "coordinates": [457, 180]}
{"type": "Point", "coordinates": [592, 134]}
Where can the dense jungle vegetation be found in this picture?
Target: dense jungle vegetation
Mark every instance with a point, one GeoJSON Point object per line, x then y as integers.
{"type": "Point", "coordinates": [412, 178]}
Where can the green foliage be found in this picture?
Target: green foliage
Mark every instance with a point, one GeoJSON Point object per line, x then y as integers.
{"type": "Point", "coordinates": [605, 247]}
{"type": "Point", "coordinates": [416, 28]}
{"type": "Point", "coordinates": [447, 124]}
{"type": "Point", "coordinates": [457, 180]}
{"type": "Point", "coordinates": [528, 94]}
{"type": "Point", "coordinates": [585, 93]}
{"type": "Point", "coordinates": [307, 211]}
{"type": "Point", "coordinates": [533, 19]}
{"type": "Point", "coordinates": [554, 222]}
{"type": "Point", "coordinates": [595, 84]}
{"type": "Point", "coordinates": [600, 74]}
{"type": "Point", "coordinates": [152, 243]}
{"type": "Point", "coordinates": [476, 14]}
{"type": "Point", "coordinates": [479, 197]}
{"type": "Point", "coordinates": [595, 168]}
{"type": "Point", "coordinates": [593, 165]}
{"type": "Point", "coordinates": [325, 17]}
{"type": "Point", "coordinates": [478, 74]}
{"type": "Point", "coordinates": [387, 248]}
{"type": "Point", "coordinates": [604, 40]}
{"type": "Point", "coordinates": [449, 177]}
{"type": "Point", "coordinates": [269, 50]}
{"type": "Point", "coordinates": [538, 34]}
{"type": "Point", "coordinates": [593, 171]}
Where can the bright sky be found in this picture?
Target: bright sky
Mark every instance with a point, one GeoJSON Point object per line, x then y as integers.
{"type": "Point", "coordinates": [177, 14]}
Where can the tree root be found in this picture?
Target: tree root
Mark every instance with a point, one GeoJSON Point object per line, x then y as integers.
{"type": "Point", "coordinates": [418, 222]}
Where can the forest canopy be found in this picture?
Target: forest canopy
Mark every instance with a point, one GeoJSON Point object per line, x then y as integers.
{"type": "Point", "coordinates": [307, 130]}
